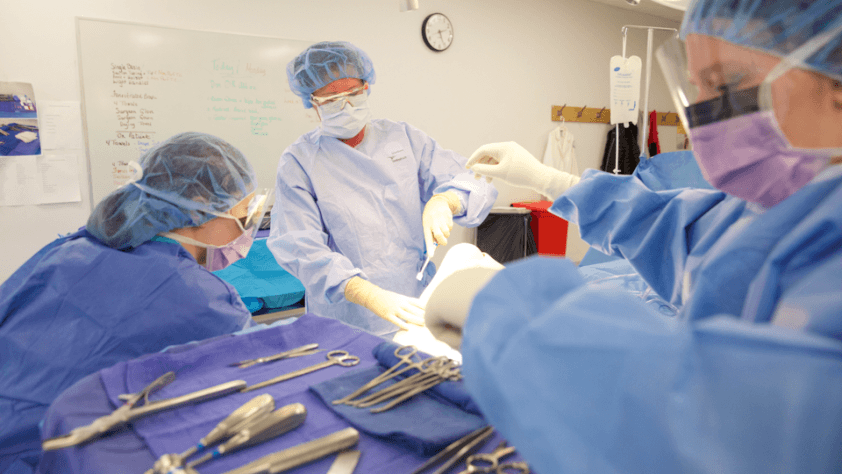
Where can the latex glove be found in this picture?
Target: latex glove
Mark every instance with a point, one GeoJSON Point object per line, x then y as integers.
{"type": "Point", "coordinates": [393, 307]}
{"type": "Point", "coordinates": [437, 219]}
{"type": "Point", "coordinates": [513, 164]}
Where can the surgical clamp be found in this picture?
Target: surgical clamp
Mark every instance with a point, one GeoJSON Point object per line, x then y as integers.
{"type": "Point", "coordinates": [457, 450]}
{"type": "Point", "coordinates": [297, 352]}
{"type": "Point", "coordinates": [333, 358]}
{"type": "Point", "coordinates": [128, 411]}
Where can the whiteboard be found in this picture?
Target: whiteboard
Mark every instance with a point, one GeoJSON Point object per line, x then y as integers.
{"type": "Point", "coordinates": [141, 84]}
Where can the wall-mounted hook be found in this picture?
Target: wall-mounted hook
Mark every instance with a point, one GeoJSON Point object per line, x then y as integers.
{"type": "Point", "coordinates": [599, 114]}
{"type": "Point", "coordinates": [579, 115]}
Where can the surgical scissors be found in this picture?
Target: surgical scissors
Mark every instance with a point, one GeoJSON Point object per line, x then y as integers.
{"type": "Point", "coordinates": [489, 463]}
{"type": "Point", "coordinates": [297, 352]}
{"type": "Point", "coordinates": [128, 411]}
{"type": "Point", "coordinates": [338, 357]}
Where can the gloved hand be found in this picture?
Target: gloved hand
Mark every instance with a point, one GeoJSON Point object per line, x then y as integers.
{"type": "Point", "coordinates": [437, 219]}
{"type": "Point", "coordinates": [514, 165]}
{"type": "Point", "coordinates": [393, 307]}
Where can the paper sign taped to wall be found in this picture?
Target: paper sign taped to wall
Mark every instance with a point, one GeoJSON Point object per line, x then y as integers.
{"type": "Point", "coordinates": [625, 89]}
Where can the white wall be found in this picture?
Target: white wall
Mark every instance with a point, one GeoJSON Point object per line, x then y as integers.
{"type": "Point", "coordinates": [509, 63]}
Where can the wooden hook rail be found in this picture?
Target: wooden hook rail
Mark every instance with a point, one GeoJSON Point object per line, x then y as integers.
{"type": "Point", "coordinates": [587, 114]}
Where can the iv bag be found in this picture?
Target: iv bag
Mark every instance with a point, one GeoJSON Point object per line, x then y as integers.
{"type": "Point", "coordinates": [625, 89]}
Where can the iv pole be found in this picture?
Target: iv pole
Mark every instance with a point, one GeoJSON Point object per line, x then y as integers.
{"type": "Point", "coordinates": [649, 43]}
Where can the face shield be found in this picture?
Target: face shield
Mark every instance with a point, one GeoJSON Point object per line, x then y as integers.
{"type": "Point", "coordinates": [745, 112]}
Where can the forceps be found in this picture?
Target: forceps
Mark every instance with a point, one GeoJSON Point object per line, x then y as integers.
{"type": "Point", "coordinates": [489, 463]}
{"type": "Point", "coordinates": [128, 411]}
{"type": "Point", "coordinates": [297, 352]}
{"type": "Point", "coordinates": [333, 358]}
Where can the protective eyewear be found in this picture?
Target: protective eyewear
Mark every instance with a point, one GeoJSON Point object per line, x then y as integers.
{"type": "Point", "coordinates": [256, 211]}
{"type": "Point", "coordinates": [713, 95]}
{"type": "Point", "coordinates": [336, 102]}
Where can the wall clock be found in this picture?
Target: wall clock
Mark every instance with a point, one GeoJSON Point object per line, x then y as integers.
{"type": "Point", "coordinates": [437, 31]}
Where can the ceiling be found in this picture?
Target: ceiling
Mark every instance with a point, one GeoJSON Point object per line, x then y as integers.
{"type": "Point", "coordinates": [648, 7]}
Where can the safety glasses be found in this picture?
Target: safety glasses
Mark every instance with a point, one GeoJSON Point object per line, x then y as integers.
{"type": "Point", "coordinates": [256, 211]}
{"type": "Point", "coordinates": [334, 103]}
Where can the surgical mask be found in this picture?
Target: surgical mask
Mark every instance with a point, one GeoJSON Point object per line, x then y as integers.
{"type": "Point", "coordinates": [736, 137]}
{"type": "Point", "coordinates": [346, 116]}
{"type": "Point", "coordinates": [749, 157]}
{"type": "Point", "coordinates": [218, 257]}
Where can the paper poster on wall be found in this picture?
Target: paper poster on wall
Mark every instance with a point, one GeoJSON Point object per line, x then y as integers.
{"type": "Point", "coordinates": [58, 179]}
{"type": "Point", "coordinates": [61, 125]}
{"type": "Point", "coordinates": [18, 120]}
{"type": "Point", "coordinates": [18, 180]}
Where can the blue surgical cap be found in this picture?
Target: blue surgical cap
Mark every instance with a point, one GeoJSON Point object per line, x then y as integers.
{"type": "Point", "coordinates": [185, 180]}
{"type": "Point", "coordinates": [778, 27]}
{"type": "Point", "coordinates": [322, 63]}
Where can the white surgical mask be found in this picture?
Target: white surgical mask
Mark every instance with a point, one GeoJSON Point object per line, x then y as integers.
{"type": "Point", "coordinates": [351, 117]}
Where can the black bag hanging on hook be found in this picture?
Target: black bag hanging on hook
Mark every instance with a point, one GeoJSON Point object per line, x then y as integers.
{"type": "Point", "coordinates": [629, 149]}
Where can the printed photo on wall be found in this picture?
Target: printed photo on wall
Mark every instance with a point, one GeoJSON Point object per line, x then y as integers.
{"type": "Point", "coordinates": [18, 120]}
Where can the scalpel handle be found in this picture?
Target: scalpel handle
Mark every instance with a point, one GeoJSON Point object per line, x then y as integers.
{"type": "Point", "coordinates": [195, 397]}
{"type": "Point", "coordinates": [301, 454]}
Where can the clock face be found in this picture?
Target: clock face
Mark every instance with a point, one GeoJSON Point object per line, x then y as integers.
{"type": "Point", "coordinates": [437, 32]}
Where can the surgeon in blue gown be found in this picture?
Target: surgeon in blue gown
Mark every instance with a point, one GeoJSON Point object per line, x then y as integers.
{"type": "Point", "coordinates": [117, 289]}
{"type": "Point", "coordinates": [747, 377]}
{"type": "Point", "coordinates": [360, 202]}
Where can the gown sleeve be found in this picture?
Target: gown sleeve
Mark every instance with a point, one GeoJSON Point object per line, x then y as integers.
{"type": "Point", "coordinates": [298, 239]}
{"type": "Point", "coordinates": [444, 170]}
{"type": "Point", "coordinates": [585, 380]}
{"type": "Point", "coordinates": [657, 218]}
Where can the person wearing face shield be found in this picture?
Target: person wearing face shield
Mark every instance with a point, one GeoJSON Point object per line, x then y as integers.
{"type": "Point", "coordinates": [361, 203]}
{"type": "Point", "coordinates": [747, 377]}
{"type": "Point", "coordinates": [123, 285]}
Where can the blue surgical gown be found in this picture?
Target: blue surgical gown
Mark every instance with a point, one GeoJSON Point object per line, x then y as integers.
{"type": "Point", "coordinates": [341, 212]}
{"type": "Point", "coordinates": [78, 306]}
{"type": "Point", "coordinates": [746, 378]}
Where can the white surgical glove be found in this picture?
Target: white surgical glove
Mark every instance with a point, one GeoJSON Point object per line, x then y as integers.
{"type": "Point", "coordinates": [513, 164]}
{"type": "Point", "coordinates": [437, 219]}
{"type": "Point", "coordinates": [393, 307]}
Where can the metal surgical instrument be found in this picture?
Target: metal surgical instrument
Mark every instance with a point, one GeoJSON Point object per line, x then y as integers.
{"type": "Point", "coordinates": [457, 450]}
{"type": "Point", "coordinates": [345, 462]}
{"type": "Point", "coordinates": [232, 424]}
{"type": "Point", "coordinates": [338, 357]}
{"type": "Point", "coordinates": [489, 463]}
{"type": "Point", "coordinates": [431, 372]}
{"type": "Point", "coordinates": [270, 426]}
{"type": "Point", "coordinates": [301, 454]}
{"type": "Point", "coordinates": [297, 352]}
{"type": "Point", "coordinates": [128, 411]}
{"type": "Point", "coordinates": [405, 358]}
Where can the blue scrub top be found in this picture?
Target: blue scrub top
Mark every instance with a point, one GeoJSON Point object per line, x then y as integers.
{"type": "Point", "coordinates": [342, 212]}
{"type": "Point", "coordinates": [78, 306]}
{"type": "Point", "coordinates": [746, 378]}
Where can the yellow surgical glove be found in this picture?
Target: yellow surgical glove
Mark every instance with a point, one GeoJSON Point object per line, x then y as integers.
{"type": "Point", "coordinates": [437, 219]}
{"type": "Point", "coordinates": [393, 307]}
